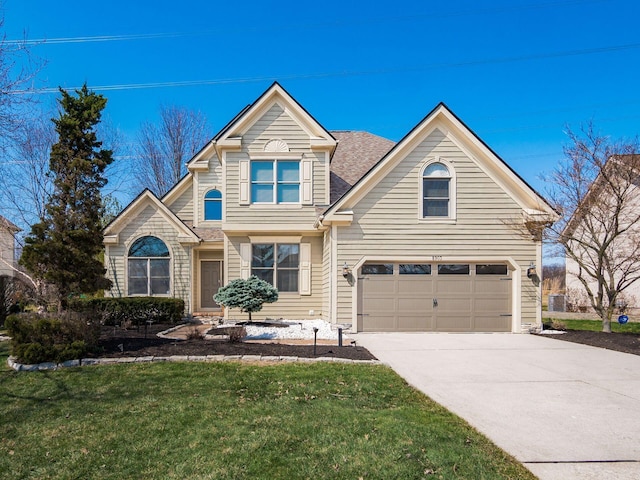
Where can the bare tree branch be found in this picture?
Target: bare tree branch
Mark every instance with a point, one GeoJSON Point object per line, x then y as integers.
{"type": "Point", "coordinates": [596, 188]}
{"type": "Point", "coordinates": [164, 149]}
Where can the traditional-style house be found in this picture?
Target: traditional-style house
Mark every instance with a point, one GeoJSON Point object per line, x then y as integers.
{"type": "Point", "coordinates": [350, 227]}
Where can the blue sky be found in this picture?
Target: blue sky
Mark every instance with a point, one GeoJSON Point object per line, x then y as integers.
{"type": "Point", "coordinates": [516, 71]}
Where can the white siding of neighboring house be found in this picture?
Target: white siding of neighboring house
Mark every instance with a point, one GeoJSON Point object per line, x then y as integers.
{"type": "Point", "coordinates": [149, 222]}
{"type": "Point", "coordinates": [386, 222]}
{"type": "Point", "coordinates": [7, 252]}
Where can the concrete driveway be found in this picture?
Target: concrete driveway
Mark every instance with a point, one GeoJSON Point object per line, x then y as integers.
{"type": "Point", "coordinates": [566, 411]}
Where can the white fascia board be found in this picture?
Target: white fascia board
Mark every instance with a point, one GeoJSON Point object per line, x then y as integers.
{"type": "Point", "coordinates": [341, 217]}
{"type": "Point", "coordinates": [147, 198]}
{"type": "Point", "coordinates": [271, 229]}
{"type": "Point", "coordinates": [178, 189]}
{"type": "Point", "coordinates": [111, 239]}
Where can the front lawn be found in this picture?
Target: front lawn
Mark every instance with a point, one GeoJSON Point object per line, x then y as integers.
{"type": "Point", "coordinates": [234, 421]}
{"type": "Point", "coordinates": [596, 325]}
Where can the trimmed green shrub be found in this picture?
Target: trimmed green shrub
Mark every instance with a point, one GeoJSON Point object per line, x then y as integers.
{"type": "Point", "coordinates": [37, 339]}
{"type": "Point", "coordinates": [248, 295]}
{"type": "Point", "coordinates": [137, 310]}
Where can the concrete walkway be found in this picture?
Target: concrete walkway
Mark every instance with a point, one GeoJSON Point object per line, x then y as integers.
{"type": "Point", "coordinates": [566, 411]}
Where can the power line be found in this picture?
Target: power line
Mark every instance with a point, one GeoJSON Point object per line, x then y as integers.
{"type": "Point", "coordinates": [300, 26]}
{"type": "Point", "coordinates": [487, 61]}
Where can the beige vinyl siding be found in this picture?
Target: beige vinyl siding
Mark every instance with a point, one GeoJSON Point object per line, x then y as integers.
{"type": "Point", "coordinates": [274, 124]}
{"type": "Point", "coordinates": [289, 305]}
{"type": "Point", "coordinates": [183, 206]}
{"type": "Point", "coordinates": [326, 276]}
{"type": "Point", "coordinates": [149, 222]}
{"type": "Point", "coordinates": [387, 221]}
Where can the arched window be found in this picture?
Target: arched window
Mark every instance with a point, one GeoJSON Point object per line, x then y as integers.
{"type": "Point", "coordinates": [213, 205]}
{"type": "Point", "coordinates": [148, 269]}
{"type": "Point", "coordinates": [437, 191]}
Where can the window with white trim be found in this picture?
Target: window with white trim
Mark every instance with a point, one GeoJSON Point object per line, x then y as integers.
{"type": "Point", "coordinates": [275, 181]}
{"type": "Point", "coordinates": [213, 205]}
{"type": "Point", "coordinates": [436, 191]}
{"type": "Point", "coordinates": [148, 271]}
{"type": "Point", "coordinates": [277, 263]}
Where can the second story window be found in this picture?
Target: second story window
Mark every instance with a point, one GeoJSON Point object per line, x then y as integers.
{"type": "Point", "coordinates": [275, 181]}
{"type": "Point", "coordinates": [213, 205]}
{"type": "Point", "coordinates": [438, 191]}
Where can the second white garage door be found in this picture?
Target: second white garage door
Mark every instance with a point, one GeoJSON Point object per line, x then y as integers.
{"type": "Point", "coordinates": [456, 297]}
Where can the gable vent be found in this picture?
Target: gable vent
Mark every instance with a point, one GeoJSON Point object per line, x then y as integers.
{"type": "Point", "coordinates": [276, 145]}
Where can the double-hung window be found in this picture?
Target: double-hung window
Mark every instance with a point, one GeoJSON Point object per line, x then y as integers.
{"type": "Point", "coordinates": [277, 263]}
{"type": "Point", "coordinates": [438, 192]}
{"type": "Point", "coordinates": [275, 181]}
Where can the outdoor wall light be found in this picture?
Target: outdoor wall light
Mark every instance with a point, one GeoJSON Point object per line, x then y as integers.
{"type": "Point", "coordinates": [531, 271]}
{"type": "Point", "coordinates": [346, 271]}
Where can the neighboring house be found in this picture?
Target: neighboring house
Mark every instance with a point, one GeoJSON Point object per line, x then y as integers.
{"type": "Point", "coordinates": [605, 231]}
{"type": "Point", "coordinates": [7, 247]}
{"type": "Point", "coordinates": [416, 236]}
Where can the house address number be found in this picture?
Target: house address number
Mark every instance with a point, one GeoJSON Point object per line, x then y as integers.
{"type": "Point", "coordinates": [436, 257]}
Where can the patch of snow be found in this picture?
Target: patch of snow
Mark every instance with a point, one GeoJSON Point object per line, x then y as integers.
{"type": "Point", "coordinates": [296, 329]}
{"type": "Point", "coordinates": [552, 332]}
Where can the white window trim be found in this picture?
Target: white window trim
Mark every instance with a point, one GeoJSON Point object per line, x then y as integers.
{"type": "Point", "coordinates": [126, 271]}
{"type": "Point", "coordinates": [204, 203]}
{"type": "Point", "coordinates": [274, 181]}
{"type": "Point", "coordinates": [452, 217]}
{"type": "Point", "coordinates": [304, 261]}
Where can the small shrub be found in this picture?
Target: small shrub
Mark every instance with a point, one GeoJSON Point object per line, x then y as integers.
{"type": "Point", "coordinates": [248, 295]}
{"type": "Point", "coordinates": [555, 325]}
{"type": "Point", "coordinates": [137, 310]}
{"type": "Point", "coordinates": [37, 339]}
{"type": "Point", "coordinates": [236, 334]}
{"type": "Point", "coordinates": [194, 334]}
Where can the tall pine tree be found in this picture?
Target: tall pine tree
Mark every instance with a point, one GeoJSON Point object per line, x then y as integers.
{"type": "Point", "coordinates": [63, 250]}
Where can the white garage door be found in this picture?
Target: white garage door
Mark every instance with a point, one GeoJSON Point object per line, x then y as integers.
{"type": "Point", "coordinates": [455, 297]}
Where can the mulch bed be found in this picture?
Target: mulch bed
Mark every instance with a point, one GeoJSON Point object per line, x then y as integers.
{"type": "Point", "coordinates": [138, 343]}
{"type": "Point", "coordinates": [621, 342]}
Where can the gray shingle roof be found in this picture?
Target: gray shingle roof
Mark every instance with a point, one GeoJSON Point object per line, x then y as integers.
{"type": "Point", "coordinates": [355, 154]}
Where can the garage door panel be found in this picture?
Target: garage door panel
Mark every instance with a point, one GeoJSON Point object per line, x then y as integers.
{"type": "Point", "coordinates": [379, 323]}
{"type": "Point", "coordinates": [415, 285]}
{"type": "Point", "coordinates": [414, 323]}
{"type": "Point", "coordinates": [499, 305]}
{"type": "Point", "coordinates": [461, 305]}
{"type": "Point", "coordinates": [453, 285]}
{"type": "Point", "coordinates": [381, 304]}
{"type": "Point", "coordinates": [453, 323]}
{"type": "Point", "coordinates": [484, 286]}
{"type": "Point", "coordinates": [492, 323]}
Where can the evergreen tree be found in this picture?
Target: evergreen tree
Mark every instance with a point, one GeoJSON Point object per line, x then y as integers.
{"type": "Point", "coordinates": [63, 250]}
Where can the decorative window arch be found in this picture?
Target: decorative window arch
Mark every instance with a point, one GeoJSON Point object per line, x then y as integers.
{"type": "Point", "coordinates": [213, 205]}
{"type": "Point", "coordinates": [148, 270]}
{"type": "Point", "coordinates": [438, 190]}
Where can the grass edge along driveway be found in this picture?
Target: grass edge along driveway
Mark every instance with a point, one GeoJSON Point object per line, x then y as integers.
{"type": "Point", "coordinates": [233, 421]}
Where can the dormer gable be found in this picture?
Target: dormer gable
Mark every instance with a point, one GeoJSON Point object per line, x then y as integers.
{"type": "Point", "coordinates": [442, 119]}
{"type": "Point", "coordinates": [142, 201]}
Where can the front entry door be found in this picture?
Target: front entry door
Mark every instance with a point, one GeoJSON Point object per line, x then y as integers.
{"type": "Point", "coordinates": [210, 282]}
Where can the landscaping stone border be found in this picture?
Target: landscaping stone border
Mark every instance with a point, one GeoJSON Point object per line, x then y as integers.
{"type": "Point", "coordinates": [181, 358]}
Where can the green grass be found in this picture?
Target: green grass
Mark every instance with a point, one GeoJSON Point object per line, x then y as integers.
{"type": "Point", "coordinates": [234, 421]}
{"type": "Point", "coordinates": [596, 325]}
